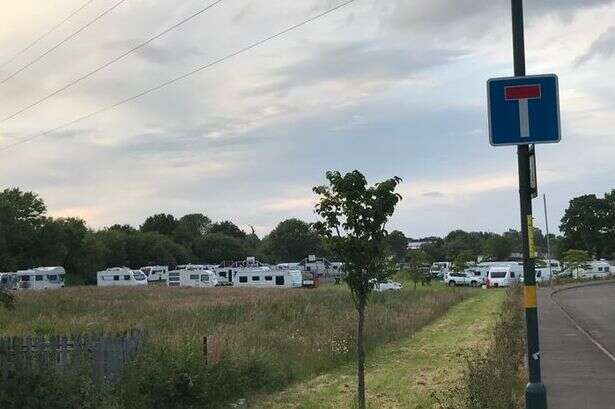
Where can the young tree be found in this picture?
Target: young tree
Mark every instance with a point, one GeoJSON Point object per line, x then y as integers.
{"type": "Point", "coordinates": [416, 266]}
{"type": "Point", "coordinates": [354, 216]}
{"type": "Point", "coordinates": [460, 263]}
{"type": "Point", "coordinates": [575, 260]}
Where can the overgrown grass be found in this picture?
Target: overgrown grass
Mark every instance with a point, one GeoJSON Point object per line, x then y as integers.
{"type": "Point", "coordinates": [270, 338]}
{"type": "Point", "coordinates": [410, 373]}
{"type": "Point", "coordinates": [494, 378]}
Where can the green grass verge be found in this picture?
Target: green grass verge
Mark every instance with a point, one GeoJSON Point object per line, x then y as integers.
{"type": "Point", "coordinates": [404, 374]}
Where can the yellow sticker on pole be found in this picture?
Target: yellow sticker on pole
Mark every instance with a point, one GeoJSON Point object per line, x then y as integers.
{"type": "Point", "coordinates": [530, 236]}
{"type": "Point", "coordinates": [529, 295]}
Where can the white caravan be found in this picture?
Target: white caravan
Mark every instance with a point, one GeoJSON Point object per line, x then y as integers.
{"type": "Point", "coordinates": [120, 277]}
{"type": "Point", "coordinates": [41, 278]}
{"type": "Point", "coordinates": [193, 276]}
{"type": "Point", "coordinates": [595, 269]}
{"type": "Point", "coordinates": [266, 277]}
{"type": "Point", "coordinates": [156, 273]}
{"type": "Point", "coordinates": [504, 276]}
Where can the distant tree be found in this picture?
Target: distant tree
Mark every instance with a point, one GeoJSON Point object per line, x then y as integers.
{"type": "Point", "coordinates": [588, 224]}
{"type": "Point", "coordinates": [514, 237]}
{"type": "Point", "coordinates": [21, 214]}
{"type": "Point", "coordinates": [160, 223]}
{"type": "Point", "coordinates": [124, 228]}
{"type": "Point", "coordinates": [218, 247]}
{"type": "Point", "coordinates": [498, 247]}
{"type": "Point", "coordinates": [228, 228]}
{"type": "Point", "coordinates": [575, 260]}
{"type": "Point", "coordinates": [292, 240]}
{"type": "Point", "coordinates": [462, 260]}
{"type": "Point", "coordinates": [191, 227]}
{"type": "Point", "coordinates": [416, 263]}
{"type": "Point", "coordinates": [397, 244]}
{"type": "Point", "coordinates": [435, 250]}
{"type": "Point", "coordinates": [354, 217]}
{"type": "Point", "coordinates": [144, 249]}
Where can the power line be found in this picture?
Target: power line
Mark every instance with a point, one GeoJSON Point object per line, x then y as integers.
{"type": "Point", "coordinates": [111, 62]}
{"type": "Point", "coordinates": [47, 33]}
{"type": "Point", "coordinates": [67, 39]}
{"type": "Point", "coordinates": [179, 78]}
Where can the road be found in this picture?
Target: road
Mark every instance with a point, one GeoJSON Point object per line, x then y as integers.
{"type": "Point", "coordinates": [576, 372]}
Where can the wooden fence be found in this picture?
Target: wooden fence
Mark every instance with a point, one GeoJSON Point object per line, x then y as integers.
{"type": "Point", "coordinates": [105, 355]}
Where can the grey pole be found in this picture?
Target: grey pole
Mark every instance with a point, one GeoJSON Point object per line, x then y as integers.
{"type": "Point", "coordinates": [535, 392]}
{"type": "Point", "coordinates": [544, 198]}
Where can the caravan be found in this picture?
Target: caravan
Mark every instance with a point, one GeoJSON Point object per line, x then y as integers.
{"type": "Point", "coordinates": [120, 277]}
{"type": "Point", "coordinates": [595, 269]}
{"type": "Point", "coordinates": [504, 276]}
{"type": "Point", "coordinates": [156, 273]}
{"type": "Point", "coordinates": [40, 278]}
{"type": "Point", "coordinates": [192, 276]}
{"type": "Point", "coordinates": [266, 277]}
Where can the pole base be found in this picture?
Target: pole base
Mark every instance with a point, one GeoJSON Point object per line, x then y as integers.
{"type": "Point", "coordinates": [535, 396]}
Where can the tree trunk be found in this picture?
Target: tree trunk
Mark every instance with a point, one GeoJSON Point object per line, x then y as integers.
{"type": "Point", "coordinates": [361, 356]}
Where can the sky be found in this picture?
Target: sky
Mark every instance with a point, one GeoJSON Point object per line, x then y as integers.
{"type": "Point", "coordinates": [391, 88]}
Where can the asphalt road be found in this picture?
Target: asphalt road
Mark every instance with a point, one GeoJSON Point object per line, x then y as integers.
{"type": "Point", "coordinates": [577, 374]}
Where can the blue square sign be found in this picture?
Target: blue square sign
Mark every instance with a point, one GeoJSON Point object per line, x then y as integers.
{"type": "Point", "coordinates": [523, 110]}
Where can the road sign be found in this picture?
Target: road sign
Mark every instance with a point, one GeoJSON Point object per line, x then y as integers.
{"type": "Point", "coordinates": [524, 110]}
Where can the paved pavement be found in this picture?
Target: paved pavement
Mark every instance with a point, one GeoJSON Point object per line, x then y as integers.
{"type": "Point", "coordinates": [577, 374]}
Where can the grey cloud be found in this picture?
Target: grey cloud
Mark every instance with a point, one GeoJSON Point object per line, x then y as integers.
{"type": "Point", "coordinates": [433, 194]}
{"type": "Point", "coordinates": [359, 61]}
{"type": "Point", "coordinates": [603, 47]}
{"type": "Point", "coordinates": [471, 18]}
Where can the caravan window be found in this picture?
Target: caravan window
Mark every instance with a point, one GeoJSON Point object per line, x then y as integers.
{"type": "Point", "coordinates": [126, 277]}
{"type": "Point", "coordinates": [205, 278]}
{"type": "Point", "coordinates": [222, 274]}
{"type": "Point", "coordinates": [116, 278]}
{"type": "Point", "coordinates": [512, 275]}
{"type": "Point", "coordinates": [243, 279]}
{"type": "Point", "coordinates": [599, 268]}
{"type": "Point", "coordinates": [268, 278]}
{"type": "Point", "coordinates": [52, 277]}
{"type": "Point", "coordinates": [498, 275]}
{"type": "Point", "coordinates": [194, 277]}
{"type": "Point", "coordinates": [38, 277]}
{"type": "Point", "coordinates": [256, 278]}
{"type": "Point", "coordinates": [25, 278]}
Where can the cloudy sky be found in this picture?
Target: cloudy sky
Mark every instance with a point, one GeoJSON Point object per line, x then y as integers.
{"type": "Point", "coordinates": [393, 87]}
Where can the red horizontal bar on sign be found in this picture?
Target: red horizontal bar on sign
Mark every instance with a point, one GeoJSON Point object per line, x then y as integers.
{"type": "Point", "coordinates": [523, 92]}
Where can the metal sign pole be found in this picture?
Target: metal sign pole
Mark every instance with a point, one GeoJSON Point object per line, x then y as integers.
{"type": "Point", "coordinates": [535, 393]}
{"type": "Point", "coordinates": [544, 198]}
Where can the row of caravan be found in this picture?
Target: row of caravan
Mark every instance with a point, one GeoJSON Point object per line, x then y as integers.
{"type": "Point", "coordinates": [39, 278]}
{"type": "Point", "coordinates": [249, 273]}
{"type": "Point", "coordinates": [505, 273]}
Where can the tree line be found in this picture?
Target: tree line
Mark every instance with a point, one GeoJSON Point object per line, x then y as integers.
{"type": "Point", "coordinates": [29, 238]}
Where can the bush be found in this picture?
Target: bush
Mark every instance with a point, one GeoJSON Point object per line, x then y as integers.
{"type": "Point", "coordinates": [42, 386]}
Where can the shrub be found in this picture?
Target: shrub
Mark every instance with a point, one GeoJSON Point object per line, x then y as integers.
{"type": "Point", "coordinates": [43, 386]}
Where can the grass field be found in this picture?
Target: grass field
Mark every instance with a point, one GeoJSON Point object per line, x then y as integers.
{"type": "Point", "coordinates": [406, 374]}
{"type": "Point", "coordinates": [270, 338]}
